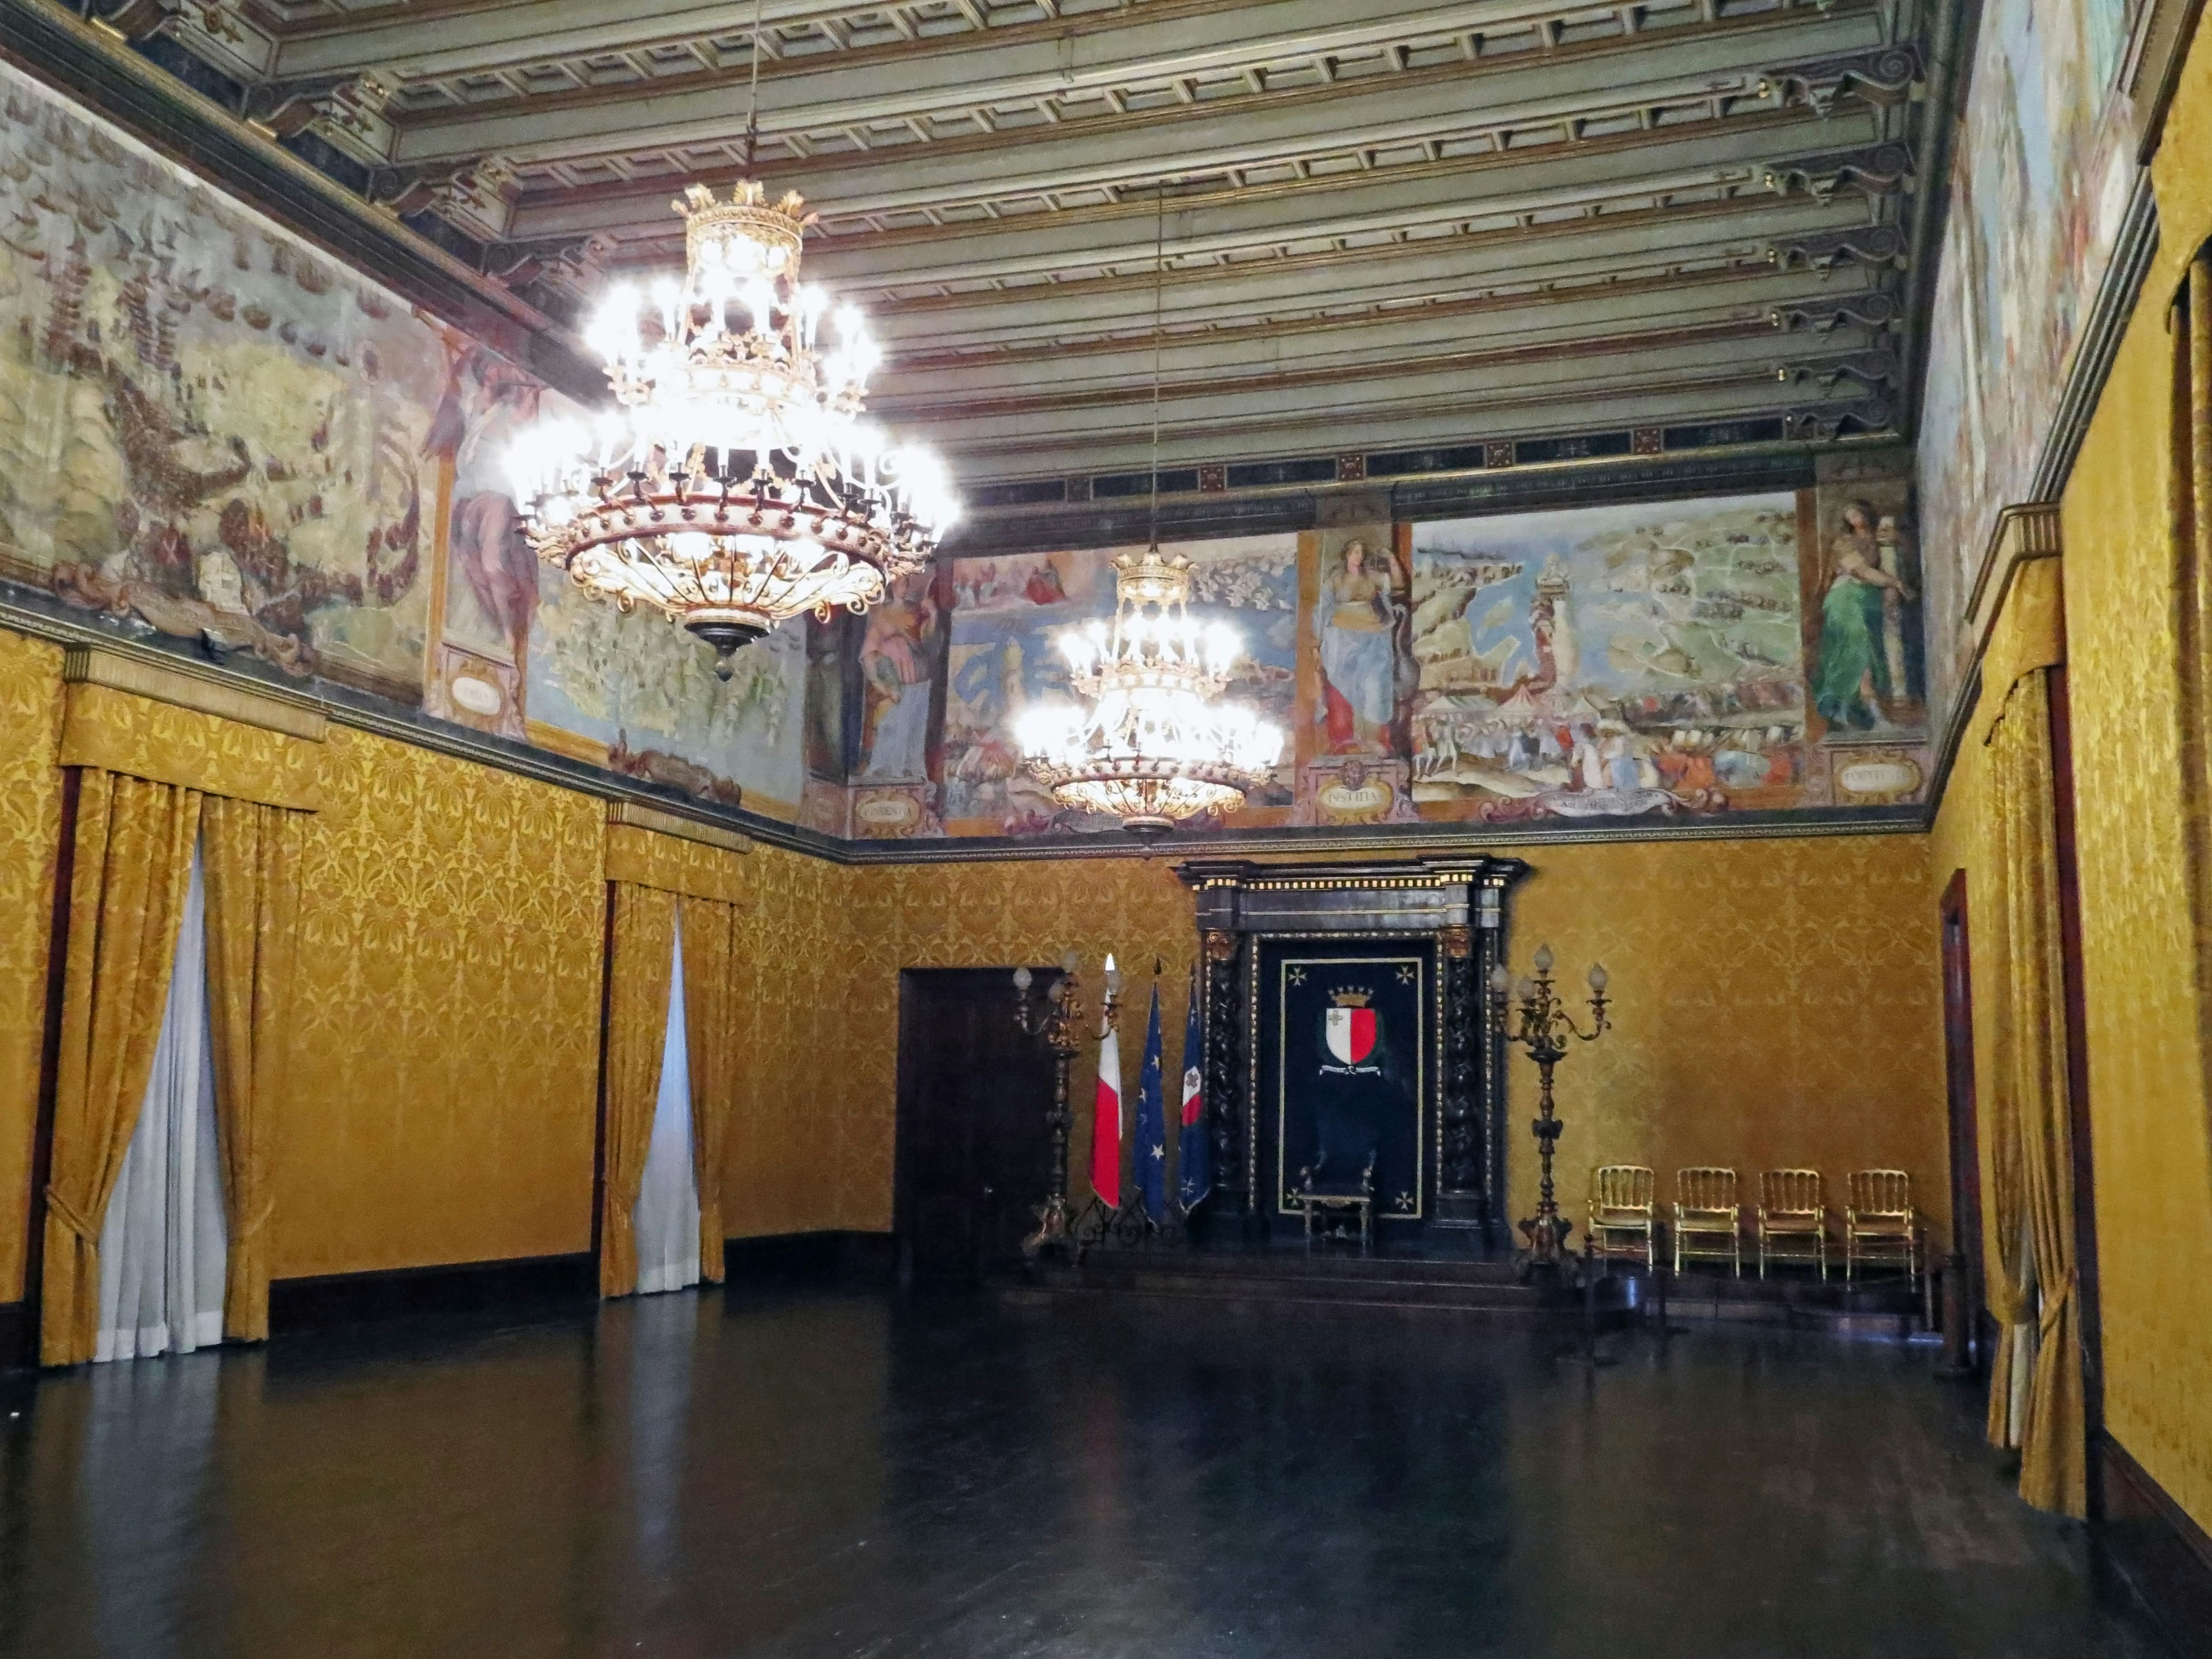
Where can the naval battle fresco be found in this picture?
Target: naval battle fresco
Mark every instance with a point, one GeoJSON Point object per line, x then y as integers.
{"type": "Point", "coordinates": [1616, 665]}
{"type": "Point", "coordinates": [212, 432]}
{"type": "Point", "coordinates": [205, 427]}
{"type": "Point", "coordinates": [2040, 185]}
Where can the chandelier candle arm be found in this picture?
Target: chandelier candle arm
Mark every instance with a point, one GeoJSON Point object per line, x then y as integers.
{"type": "Point", "coordinates": [1542, 1024]}
{"type": "Point", "coordinates": [736, 483]}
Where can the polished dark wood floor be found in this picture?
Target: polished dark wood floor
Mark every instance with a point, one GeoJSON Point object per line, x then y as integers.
{"type": "Point", "coordinates": [839, 1472]}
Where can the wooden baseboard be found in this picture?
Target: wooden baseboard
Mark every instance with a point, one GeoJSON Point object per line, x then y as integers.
{"type": "Point", "coordinates": [306, 1304]}
{"type": "Point", "coordinates": [18, 1340]}
{"type": "Point", "coordinates": [2156, 1547]}
{"type": "Point", "coordinates": [790, 1255]}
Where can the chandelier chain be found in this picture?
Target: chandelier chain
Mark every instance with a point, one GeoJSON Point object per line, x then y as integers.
{"type": "Point", "coordinates": [1159, 287]}
{"type": "Point", "coordinates": [752, 89]}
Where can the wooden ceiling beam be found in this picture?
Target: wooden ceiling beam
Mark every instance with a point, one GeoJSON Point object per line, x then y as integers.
{"type": "Point", "coordinates": [1666, 64]}
{"type": "Point", "coordinates": [1443, 270]}
{"type": "Point", "coordinates": [1746, 296]}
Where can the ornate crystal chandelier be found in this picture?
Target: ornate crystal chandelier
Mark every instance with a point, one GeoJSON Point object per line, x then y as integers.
{"type": "Point", "coordinates": [1157, 744]}
{"type": "Point", "coordinates": [738, 485]}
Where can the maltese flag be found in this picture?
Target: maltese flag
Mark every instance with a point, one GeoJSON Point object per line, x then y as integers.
{"type": "Point", "coordinates": [1106, 1124]}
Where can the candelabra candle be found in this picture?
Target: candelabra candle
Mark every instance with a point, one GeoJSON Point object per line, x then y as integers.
{"type": "Point", "coordinates": [1540, 1022]}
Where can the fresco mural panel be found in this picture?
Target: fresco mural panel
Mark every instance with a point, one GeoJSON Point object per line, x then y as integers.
{"type": "Point", "coordinates": [1002, 655]}
{"type": "Point", "coordinates": [648, 691]}
{"type": "Point", "coordinates": [205, 426]}
{"type": "Point", "coordinates": [1609, 662]}
{"type": "Point", "coordinates": [2039, 184]}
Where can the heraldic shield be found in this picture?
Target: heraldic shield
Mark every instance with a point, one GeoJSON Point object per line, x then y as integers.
{"type": "Point", "coordinates": [1345, 1070]}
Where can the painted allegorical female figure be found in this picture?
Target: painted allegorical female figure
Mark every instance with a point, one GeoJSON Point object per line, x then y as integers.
{"type": "Point", "coordinates": [894, 671]}
{"type": "Point", "coordinates": [1854, 682]}
{"type": "Point", "coordinates": [1358, 620]}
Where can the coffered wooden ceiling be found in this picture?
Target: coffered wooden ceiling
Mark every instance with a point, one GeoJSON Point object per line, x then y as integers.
{"type": "Point", "coordinates": [1406, 226]}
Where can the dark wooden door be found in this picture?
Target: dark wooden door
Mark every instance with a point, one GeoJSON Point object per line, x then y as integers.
{"type": "Point", "coordinates": [1965, 1136]}
{"type": "Point", "coordinates": [972, 1146]}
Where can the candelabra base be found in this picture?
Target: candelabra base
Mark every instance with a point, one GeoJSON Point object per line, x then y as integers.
{"type": "Point", "coordinates": [1051, 1233]}
{"type": "Point", "coordinates": [1546, 1253]}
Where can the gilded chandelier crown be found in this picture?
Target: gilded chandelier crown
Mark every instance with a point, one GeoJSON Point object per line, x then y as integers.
{"type": "Point", "coordinates": [748, 216]}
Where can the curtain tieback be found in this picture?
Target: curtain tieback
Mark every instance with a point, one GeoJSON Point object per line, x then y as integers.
{"type": "Point", "coordinates": [2054, 1306]}
{"type": "Point", "coordinates": [70, 1217]}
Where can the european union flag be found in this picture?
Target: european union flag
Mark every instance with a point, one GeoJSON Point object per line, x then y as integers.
{"type": "Point", "coordinates": [1193, 1173]}
{"type": "Point", "coordinates": [1152, 1121]}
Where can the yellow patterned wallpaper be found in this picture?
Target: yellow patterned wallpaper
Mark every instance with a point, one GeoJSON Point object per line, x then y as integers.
{"type": "Point", "coordinates": [451, 926]}
{"type": "Point", "coordinates": [2147, 1074]}
{"type": "Point", "coordinates": [1778, 1005]}
{"type": "Point", "coordinates": [802, 1155]}
{"type": "Point", "coordinates": [2147, 1083]}
{"type": "Point", "coordinates": [1777, 1000]}
{"type": "Point", "coordinates": [30, 833]}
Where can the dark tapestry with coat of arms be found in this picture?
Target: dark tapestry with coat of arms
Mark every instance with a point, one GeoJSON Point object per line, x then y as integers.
{"type": "Point", "coordinates": [1347, 1025]}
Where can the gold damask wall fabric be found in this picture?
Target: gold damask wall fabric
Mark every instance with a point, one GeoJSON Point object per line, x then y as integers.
{"type": "Point", "coordinates": [451, 929]}
{"type": "Point", "coordinates": [639, 977]}
{"type": "Point", "coordinates": [2152, 1147]}
{"type": "Point", "coordinates": [1778, 1001]}
{"type": "Point", "coordinates": [141, 738]}
{"type": "Point", "coordinates": [132, 858]}
{"type": "Point", "coordinates": [30, 844]}
{"type": "Point", "coordinates": [807, 1143]}
{"type": "Point", "coordinates": [2027, 1163]}
{"type": "Point", "coordinates": [253, 855]}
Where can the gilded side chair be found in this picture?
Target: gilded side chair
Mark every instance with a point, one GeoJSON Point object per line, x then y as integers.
{"type": "Point", "coordinates": [1880, 1222]}
{"type": "Point", "coordinates": [1793, 1218]}
{"type": "Point", "coordinates": [1624, 1212]}
{"type": "Point", "coordinates": [1707, 1224]}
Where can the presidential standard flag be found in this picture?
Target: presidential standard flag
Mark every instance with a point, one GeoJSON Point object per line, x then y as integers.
{"type": "Point", "coordinates": [1153, 1120]}
{"type": "Point", "coordinates": [1106, 1121]}
{"type": "Point", "coordinates": [1193, 1179]}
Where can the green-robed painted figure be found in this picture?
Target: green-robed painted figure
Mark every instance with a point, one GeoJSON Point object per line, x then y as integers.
{"type": "Point", "coordinates": [1854, 679]}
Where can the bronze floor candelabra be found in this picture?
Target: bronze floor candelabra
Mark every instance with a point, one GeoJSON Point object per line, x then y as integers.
{"type": "Point", "coordinates": [1057, 1017]}
{"type": "Point", "coordinates": [1541, 1024]}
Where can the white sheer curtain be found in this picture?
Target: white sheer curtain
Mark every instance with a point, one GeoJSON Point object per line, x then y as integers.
{"type": "Point", "coordinates": [163, 1246]}
{"type": "Point", "coordinates": [667, 1213]}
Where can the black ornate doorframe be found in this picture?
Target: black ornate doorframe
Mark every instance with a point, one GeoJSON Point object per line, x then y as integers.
{"type": "Point", "coordinates": [1459, 900]}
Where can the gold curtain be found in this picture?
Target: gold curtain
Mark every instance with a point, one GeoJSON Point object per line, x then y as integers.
{"type": "Point", "coordinates": [252, 854]}
{"type": "Point", "coordinates": [2188, 483]}
{"type": "Point", "coordinates": [710, 1034]}
{"type": "Point", "coordinates": [638, 978]}
{"type": "Point", "coordinates": [133, 857]}
{"type": "Point", "coordinates": [2029, 1167]}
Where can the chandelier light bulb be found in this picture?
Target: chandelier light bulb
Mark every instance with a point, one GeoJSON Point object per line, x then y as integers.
{"type": "Point", "coordinates": [736, 483]}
